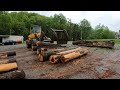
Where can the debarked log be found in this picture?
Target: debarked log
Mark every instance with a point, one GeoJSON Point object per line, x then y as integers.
{"type": "Point", "coordinates": [8, 67]}
{"type": "Point", "coordinates": [73, 55]}
{"type": "Point", "coordinates": [15, 74]}
{"type": "Point", "coordinates": [70, 53]}
{"type": "Point", "coordinates": [45, 55]}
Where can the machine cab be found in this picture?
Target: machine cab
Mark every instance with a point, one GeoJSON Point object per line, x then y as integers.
{"type": "Point", "coordinates": [36, 29]}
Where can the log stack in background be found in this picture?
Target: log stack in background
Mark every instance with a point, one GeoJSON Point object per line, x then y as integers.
{"type": "Point", "coordinates": [9, 68]}
{"type": "Point", "coordinates": [103, 44]}
{"type": "Point", "coordinates": [40, 44]}
{"type": "Point", "coordinates": [60, 55]}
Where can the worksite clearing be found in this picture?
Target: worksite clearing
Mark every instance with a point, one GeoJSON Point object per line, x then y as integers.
{"type": "Point", "coordinates": [99, 63]}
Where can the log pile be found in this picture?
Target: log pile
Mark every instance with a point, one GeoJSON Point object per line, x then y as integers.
{"type": "Point", "coordinates": [103, 44]}
{"type": "Point", "coordinates": [41, 44]}
{"type": "Point", "coordinates": [9, 68]}
{"type": "Point", "coordinates": [60, 55]}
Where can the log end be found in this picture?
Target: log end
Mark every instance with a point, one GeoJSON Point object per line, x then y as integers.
{"type": "Point", "coordinates": [54, 58]}
{"type": "Point", "coordinates": [40, 57]}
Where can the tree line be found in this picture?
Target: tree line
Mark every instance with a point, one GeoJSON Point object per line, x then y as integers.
{"type": "Point", "coordinates": [19, 23]}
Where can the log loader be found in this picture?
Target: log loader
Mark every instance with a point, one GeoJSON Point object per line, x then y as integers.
{"type": "Point", "coordinates": [36, 34]}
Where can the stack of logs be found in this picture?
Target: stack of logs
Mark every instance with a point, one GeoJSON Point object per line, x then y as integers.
{"type": "Point", "coordinates": [40, 44]}
{"type": "Point", "coordinates": [103, 44]}
{"type": "Point", "coordinates": [60, 55]}
{"type": "Point", "coordinates": [9, 67]}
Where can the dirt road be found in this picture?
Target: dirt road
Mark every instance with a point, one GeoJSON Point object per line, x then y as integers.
{"type": "Point", "coordinates": [99, 63]}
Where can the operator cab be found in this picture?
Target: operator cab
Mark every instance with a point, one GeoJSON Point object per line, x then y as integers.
{"type": "Point", "coordinates": [36, 29]}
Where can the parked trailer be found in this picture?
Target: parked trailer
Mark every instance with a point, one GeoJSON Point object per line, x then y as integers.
{"type": "Point", "coordinates": [11, 39]}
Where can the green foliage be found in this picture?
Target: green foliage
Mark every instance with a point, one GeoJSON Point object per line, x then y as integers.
{"type": "Point", "coordinates": [103, 32]}
{"type": "Point", "coordinates": [19, 23]}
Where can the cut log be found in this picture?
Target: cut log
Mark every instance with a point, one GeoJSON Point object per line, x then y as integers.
{"type": "Point", "coordinates": [46, 44]}
{"type": "Point", "coordinates": [9, 60]}
{"type": "Point", "coordinates": [41, 49]}
{"type": "Point", "coordinates": [34, 48]}
{"type": "Point", "coordinates": [69, 51]}
{"type": "Point", "coordinates": [8, 67]}
{"type": "Point", "coordinates": [55, 58]}
{"type": "Point", "coordinates": [71, 56]}
{"type": "Point", "coordinates": [43, 56]}
{"type": "Point", "coordinates": [7, 54]}
{"type": "Point", "coordinates": [103, 44]}
{"type": "Point", "coordinates": [15, 74]}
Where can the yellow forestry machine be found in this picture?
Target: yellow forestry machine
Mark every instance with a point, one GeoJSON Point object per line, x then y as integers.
{"type": "Point", "coordinates": [36, 34]}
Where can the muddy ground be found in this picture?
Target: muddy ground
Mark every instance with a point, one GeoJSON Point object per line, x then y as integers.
{"type": "Point", "coordinates": [99, 63]}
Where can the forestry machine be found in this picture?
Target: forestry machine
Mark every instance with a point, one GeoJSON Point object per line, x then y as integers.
{"type": "Point", "coordinates": [36, 34]}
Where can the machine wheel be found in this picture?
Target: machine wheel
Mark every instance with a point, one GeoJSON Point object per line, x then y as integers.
{"type": "Point", "coordinates": [28, 45]}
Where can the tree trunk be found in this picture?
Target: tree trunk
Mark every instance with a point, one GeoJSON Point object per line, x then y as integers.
{"type": "Point", "coordinates": [9, 60]}
{"type": "Point", "coordinates": [7, 54]}
{"type": "Point", "coordinates": [8, 67]}
{"type": "Point", "coordinates": [73, 55]}
{"type": "Point", "coordinates": [16, 74]}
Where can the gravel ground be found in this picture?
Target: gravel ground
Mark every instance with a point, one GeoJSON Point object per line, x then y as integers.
{"type": "Point", "coordinates": [99, 63]}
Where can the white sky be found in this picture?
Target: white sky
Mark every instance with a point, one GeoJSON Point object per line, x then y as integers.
{"type": "Point", "coordinates": [108, 18]}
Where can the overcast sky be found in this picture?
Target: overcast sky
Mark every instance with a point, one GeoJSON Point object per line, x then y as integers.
{"type": "Point", "coordinates": [108, 18]}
